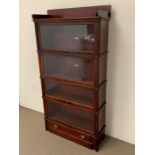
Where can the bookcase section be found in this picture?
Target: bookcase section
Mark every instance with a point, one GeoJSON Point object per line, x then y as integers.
{"type": "Point", "coordinates": [72, 48]}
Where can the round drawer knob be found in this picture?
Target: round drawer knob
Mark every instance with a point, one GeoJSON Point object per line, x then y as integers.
{"type": "Point", "coordinates": [82, 137]}
{"type": "Point", "coordinates": [55, 126]}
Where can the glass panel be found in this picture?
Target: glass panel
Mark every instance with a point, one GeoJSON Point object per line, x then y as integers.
{"type": "Point", "coordinates": [73, 68]}
{"type": "Point", "coordinates": [72, 116]}
{"type": "Point", "coordinates": [102, 67]}
{"type": "Point", "coordinates": [101, 117]}
{"type": "Point", "coordinates": [102, 94]}
{"type": "Point", "coordinates": [67, 37]}
{"type": "Point", "coordinates": [69, 93]}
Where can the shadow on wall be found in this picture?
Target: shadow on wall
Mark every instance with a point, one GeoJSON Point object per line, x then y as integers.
{"type": "Point", "coordinates": [113, 79]}
{"type": "Point", "coordinates": [111, 71]}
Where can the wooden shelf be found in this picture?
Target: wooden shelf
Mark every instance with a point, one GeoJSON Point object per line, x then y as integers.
{"type": "Point", "coordinates": [88, 85]}
{"type": "Point", "coordinates": [90, 54]}
{"type": "Point", "coordinates": [69, 115]}
{"type": "Point", "coordinates": [73, 94]}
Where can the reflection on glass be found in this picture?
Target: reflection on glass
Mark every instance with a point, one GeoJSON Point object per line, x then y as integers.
{"type": "Point", "coordinates": [73, 68]}
{"type": "Point", "coordinates": [67, 37]}
{"type": "Point", "coordinates": [101, 118]}
{"type": "Point", "coordinates": [72, 116]}
{"type": "Point", "coordinates": [69, 93]}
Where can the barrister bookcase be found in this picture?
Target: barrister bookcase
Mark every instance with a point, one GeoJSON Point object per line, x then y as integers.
{"type": "Point", "coordinates": [72, 47]}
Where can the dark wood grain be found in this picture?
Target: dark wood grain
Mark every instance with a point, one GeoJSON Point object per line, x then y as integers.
{"type": "Point", "coordinates": [74, 104]}
{"type": "Point", "coordinates": [80, 12]}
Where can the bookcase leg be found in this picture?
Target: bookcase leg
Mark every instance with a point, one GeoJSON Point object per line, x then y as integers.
{"type": "Point", "coordinates": [96, 148]}
{"type": "Point", "coordinates": [46, 128]}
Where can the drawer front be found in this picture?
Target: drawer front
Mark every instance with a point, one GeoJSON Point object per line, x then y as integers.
{"type": "Point", "coordinates": [67, 37]}
{"type": "Point", "coordinates": [69, 93]}
{"type": "Point", "coordinates": [78, 69]}
{"type": "Point", "coordinates": [70, 115]}
{"type": "Point", "coordinates": [55, 126]}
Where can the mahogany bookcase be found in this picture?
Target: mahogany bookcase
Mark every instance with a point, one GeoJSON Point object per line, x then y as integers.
{"type": "Point", "coordinates": [72, 47]}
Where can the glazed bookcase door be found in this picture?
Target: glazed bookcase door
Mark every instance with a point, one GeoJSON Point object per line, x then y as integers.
{"type": "Point", "coordinates": [69, 94]}
{"type": "Point", "coordinates": [101, 117]}
{"type": "Point", "coordinates": [101, 95]}
{"type": "Point", "coordinates": [70, 68]}
{"type": "Point", "coordinates": [71, 37]}
{"type": "Point", "coordinates": [70, 115]}
{"type": "Point", "coordinates": [102, 68]}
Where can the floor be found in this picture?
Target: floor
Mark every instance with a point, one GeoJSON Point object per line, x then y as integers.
{"type": "Point", "coordinates": [34, 140]}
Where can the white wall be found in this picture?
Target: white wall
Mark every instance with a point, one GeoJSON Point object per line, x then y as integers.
{"type": "Point", "coordinates": [120, 91]}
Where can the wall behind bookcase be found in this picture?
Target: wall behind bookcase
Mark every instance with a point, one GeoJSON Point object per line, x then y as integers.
{"type": "Point", "coordinates": [120, 90]}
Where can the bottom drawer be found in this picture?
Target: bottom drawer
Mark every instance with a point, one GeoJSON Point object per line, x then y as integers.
{"type": "Point", "coordinates": [70, 133]}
